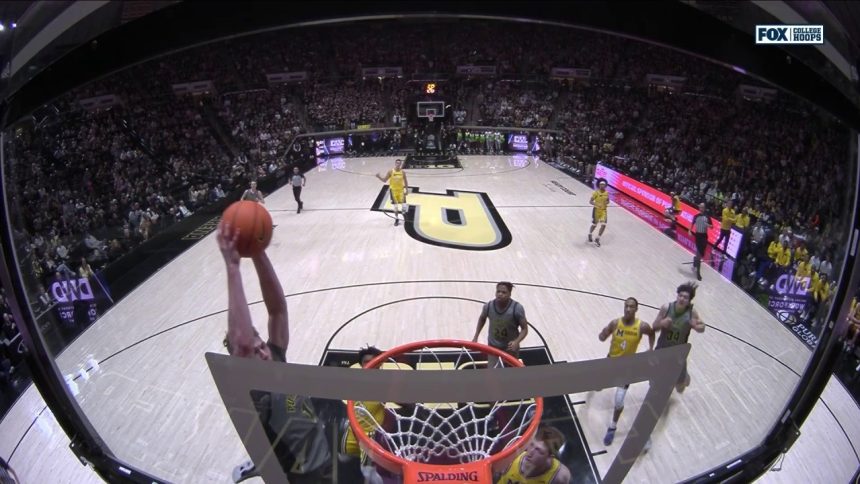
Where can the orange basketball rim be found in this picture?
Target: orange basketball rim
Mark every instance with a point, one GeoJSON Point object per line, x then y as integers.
{"type": "Point", "coordinates": [474, 467]}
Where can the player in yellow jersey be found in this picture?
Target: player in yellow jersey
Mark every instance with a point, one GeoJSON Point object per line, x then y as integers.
{"type": "Point", "coordinates": [671, 214]}
{"type": "Point", "coordinates": [600, 200]}
{"type": "Point", "coordinates": [371, 418]}
{"type": "Point", "coordinates": [398, 185]}
{"type": "Point", "coordinates": [626, 333]}
{"type": "Point", "coordinates": [676, 203]}
{"type": "Point", "coordinates": [538, 463]}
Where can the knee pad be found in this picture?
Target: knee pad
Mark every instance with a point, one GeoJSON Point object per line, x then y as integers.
{"type": "Point", "coordinates": [619, 398]}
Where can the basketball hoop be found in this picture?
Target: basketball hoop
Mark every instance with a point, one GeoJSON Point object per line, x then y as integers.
{"type": "Point", "coordinates": [430, 117]}
{"type": "Point", "coordinates": [443, 442]}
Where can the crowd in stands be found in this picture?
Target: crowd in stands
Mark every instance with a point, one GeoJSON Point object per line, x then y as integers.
{"type": "Point", "coordinates": [775, 168]}
{"type": "Point", "coordinates": [503, 104]}
{"type": "Point", "coordinates": [593, 119]}
{"type": "Point", "coordinates": [92, 185]}
{"type": "Point", "coordinates": [345, 105]}
{"type": "Point", "coordinates": [263, 123]}
{"type": "Point", "coordinates": [10, 355]}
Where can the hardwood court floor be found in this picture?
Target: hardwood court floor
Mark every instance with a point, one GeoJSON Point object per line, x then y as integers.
{"type": "Point", "coordinates": [352, 278]}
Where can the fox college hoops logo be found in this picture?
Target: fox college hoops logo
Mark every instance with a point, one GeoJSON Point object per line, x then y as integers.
{"type": "Point", "coordinates": [789, 34]}
{"type": "Point", "coordinates": [455, 219]}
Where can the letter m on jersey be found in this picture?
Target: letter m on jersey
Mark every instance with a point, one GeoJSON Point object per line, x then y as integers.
{"type": "Point", "coordinates": [455, 219]}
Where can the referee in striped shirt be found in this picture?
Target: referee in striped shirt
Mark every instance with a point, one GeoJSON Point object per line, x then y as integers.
{"type": "Point", "coordinates": [699, 229]}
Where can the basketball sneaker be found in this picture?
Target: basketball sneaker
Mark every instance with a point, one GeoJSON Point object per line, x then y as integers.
{"type": "Point", "coordinates": [597, 241]}
{"type": "Point", "coordinates": [396, 222]}
{"type": "Point", "coordinates": [647, 446]}
{"type": "Point", "coordinates": [609, 437]}
{"type": "Point", "coordinates": [589, 238]}
{"type": "Point", "coordinates": [683, 386]}
{"type": "Point", "coordinates": [243, 471]}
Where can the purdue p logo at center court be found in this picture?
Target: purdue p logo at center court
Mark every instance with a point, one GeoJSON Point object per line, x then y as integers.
{"type": "Point", "coordinates": [455, 219]}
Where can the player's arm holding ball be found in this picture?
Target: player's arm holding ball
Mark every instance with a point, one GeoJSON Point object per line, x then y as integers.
{"type": "Point", "coordinates": [240, 328]}
{"type": "Point", "coordinates": [245, 230]}
{"type": "Point", "coordinates": [273, 298]}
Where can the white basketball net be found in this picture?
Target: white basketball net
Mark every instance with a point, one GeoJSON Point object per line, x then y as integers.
{"type": "Point", "coordinates": [448, 433]}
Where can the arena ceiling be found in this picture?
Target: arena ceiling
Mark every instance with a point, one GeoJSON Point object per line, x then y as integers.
{"type": "Point", "coordinates": [848, 14]}
{"type": "Point", "coordinates": [10, 13]}
{"type": "Point", "coordinates": [707, 30]}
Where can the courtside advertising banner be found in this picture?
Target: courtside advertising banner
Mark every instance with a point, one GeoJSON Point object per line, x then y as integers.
{"type": "Point", "coordinates": [659, 201]}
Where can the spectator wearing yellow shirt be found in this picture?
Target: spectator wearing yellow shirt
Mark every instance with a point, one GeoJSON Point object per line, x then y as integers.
{"type": "Point", "coordinates": [766, 263]}
{"type": "Point", "coordinates": [853, 330]}
{"type": "Point", "coordinates": [822, 292]}
{"type": "Point", "coordinates": [815, 280]}
{"type": "Point", "coordinates": [742, 222]}
{"type": "Point", "coordinates": [801, 253]}
{"type": "Point", "coordinates": [755, 213]}
{"type": "Point", "coordinates": [726, 223]}
{"type": "Point", "coordinates": [804, 268]}
{"type": "Point", "coordinates": [783, 258]}
{"type": "Point", "coordinates": [774, 249]}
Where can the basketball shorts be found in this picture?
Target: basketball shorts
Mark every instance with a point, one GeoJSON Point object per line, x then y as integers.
{"type": "Point", "coordinates": [398, 196]}
{"type": "Point", "coordinates": [500, 345]}
{"type": "Point", "coordinates": [349, 444]}
{"type": "Point", "coordinates": [598, 216]}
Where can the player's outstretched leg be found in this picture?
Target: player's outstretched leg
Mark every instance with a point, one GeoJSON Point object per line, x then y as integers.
{"type": "Point", "coordinates": [599, 234]}
{"type": "Point", "coordinates": [616, 414]}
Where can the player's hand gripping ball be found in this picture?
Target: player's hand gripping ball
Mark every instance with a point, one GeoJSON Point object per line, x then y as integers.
{"type": "Point", "coordinates": [254, 224]}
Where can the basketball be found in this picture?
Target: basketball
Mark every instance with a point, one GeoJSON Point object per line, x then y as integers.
{"type": "Point", "coordinates": [254, 224]}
